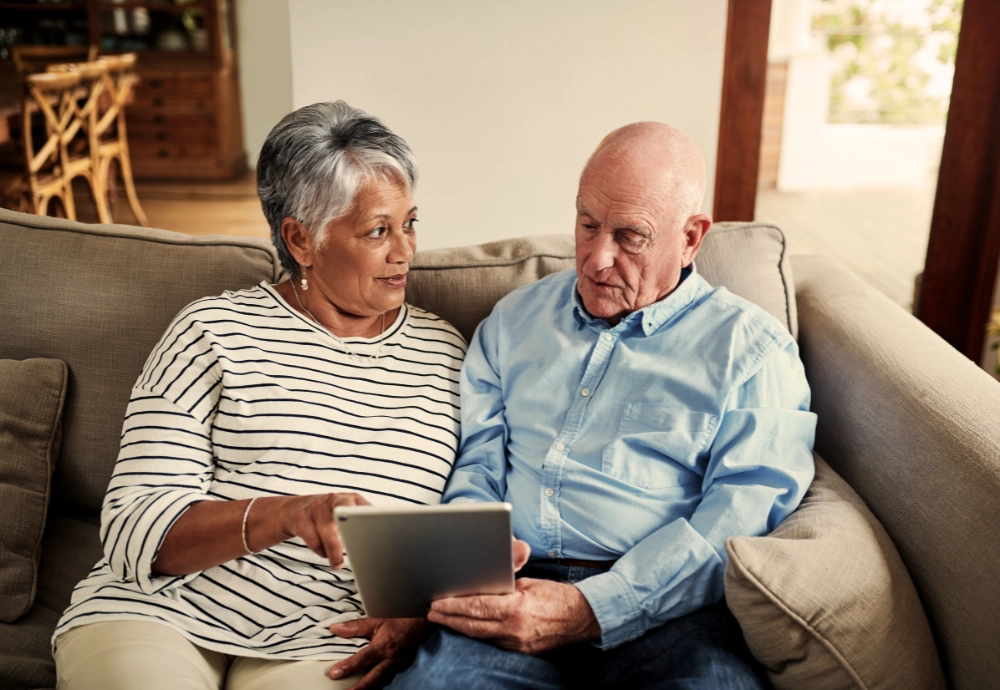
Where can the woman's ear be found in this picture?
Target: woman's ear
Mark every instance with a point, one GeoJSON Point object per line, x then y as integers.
{"type": "Point", "coordinates": [298, 240]}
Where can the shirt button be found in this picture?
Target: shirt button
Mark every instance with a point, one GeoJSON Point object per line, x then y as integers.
{"type": "Point", "coordinates": [607, 336]}
{"type": "Point", "coordinates": [549, 492]}
{"type": "Point", "coordinates": [552, 554]}
{"type": "Point", "coordinates": [560, 446]}
{"type": "Point", "coordinates": [585, 392]}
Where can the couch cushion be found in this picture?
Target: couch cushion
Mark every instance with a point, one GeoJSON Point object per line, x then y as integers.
{"type": "Point", "coordinates": [31, 403]}
{"type": "Point", "coordinates": [70, 548]}
{"type": "Point", "coordinates": [825, 601]}
{"type": "Point", "coordinates": [99, 298]}
{"type": "Point", "coordinates": [25, 651]}
{"type": "Point", "coordinates": [912, 425]}
{"type": "Point", "coordinates": [751, 259]}
{"type": "Point", "coordinates": [461, 285]}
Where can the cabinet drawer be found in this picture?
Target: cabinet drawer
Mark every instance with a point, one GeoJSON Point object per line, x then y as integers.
{"type": "Point", "coordinates": [164, 105]}
{"type": "Point", "coordinates": [156, 118]}
{"type": "Point", "coordinates": [171, 150]}
{"type": "Point", "coordinates": [154, 134]}
{"type": "Point", "coordinates": [177, 84]}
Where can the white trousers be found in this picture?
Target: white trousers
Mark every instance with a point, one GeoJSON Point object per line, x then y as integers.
{"type": "Point", "coordinates": [126, 655]}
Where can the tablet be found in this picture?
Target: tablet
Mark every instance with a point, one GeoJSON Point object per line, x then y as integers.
{"type": "Point", "coordinates": [403, 558]}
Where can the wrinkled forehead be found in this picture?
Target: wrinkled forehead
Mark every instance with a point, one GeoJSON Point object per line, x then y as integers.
{"type": "Point", "coordinates": [621, 193]}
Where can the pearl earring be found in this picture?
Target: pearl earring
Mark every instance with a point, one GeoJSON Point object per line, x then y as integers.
{"type": "Point", "coordinates": [305, 283]}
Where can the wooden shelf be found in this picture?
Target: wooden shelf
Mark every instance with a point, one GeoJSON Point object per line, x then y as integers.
{"type": "Point", "coordinates": [151, 7]}
{"type": "Point", "coordinates": [57, 6]}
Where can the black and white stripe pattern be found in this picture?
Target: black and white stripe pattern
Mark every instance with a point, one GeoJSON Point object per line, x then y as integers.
{"type": "Point", "coordinates": [244, 397]}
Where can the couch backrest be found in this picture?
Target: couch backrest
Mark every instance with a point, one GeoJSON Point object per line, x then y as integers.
{"type": "Point", "coordinates": [461, 285]}
{"type": "Point", "coordinates": [100, 297]}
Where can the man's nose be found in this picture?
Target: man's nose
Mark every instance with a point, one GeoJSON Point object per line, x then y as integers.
{"type": "Point", "coordinates": [603, 251]}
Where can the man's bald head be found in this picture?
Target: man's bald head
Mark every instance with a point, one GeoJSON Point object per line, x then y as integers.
{"type": "Point", "coordinates": [637, 219]}
{"type": "Point", "coordinates": [659, 156]}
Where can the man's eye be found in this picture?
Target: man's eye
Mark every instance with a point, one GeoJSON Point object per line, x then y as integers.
{"type": "Point", "coordinates": [632, 242]}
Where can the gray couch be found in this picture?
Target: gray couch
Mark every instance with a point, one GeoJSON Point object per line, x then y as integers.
{"type": "Point", "coordinates": [906, 420]}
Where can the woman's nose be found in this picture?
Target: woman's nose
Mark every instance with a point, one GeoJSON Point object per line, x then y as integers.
{"type": "Point", "coordinates": [403, 247]}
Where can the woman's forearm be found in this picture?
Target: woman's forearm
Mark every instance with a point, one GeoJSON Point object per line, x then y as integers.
{"type": "Point", "coordinates": [210, 533]}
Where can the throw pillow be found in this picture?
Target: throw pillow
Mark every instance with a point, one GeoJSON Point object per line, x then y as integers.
{"type": "Point", "coordinates": [826, 602]}
{"type": "Point", "coordinates": [32, 393]}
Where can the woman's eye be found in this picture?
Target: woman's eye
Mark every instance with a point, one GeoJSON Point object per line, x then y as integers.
{"type": "Point", "coordinates": [411, 224]}
{"type": "Point", "coordinates": [379, 231]}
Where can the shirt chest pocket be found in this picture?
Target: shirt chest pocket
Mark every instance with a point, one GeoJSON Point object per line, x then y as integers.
{"type": "Point", "coordinates": [659, 446]}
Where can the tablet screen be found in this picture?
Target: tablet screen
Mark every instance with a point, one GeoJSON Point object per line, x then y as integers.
{"type": "Point", "coordinates": [403, 558]}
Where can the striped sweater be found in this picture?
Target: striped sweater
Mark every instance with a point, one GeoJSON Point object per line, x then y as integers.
{"type": "Point", "coordinates": [244, 397]}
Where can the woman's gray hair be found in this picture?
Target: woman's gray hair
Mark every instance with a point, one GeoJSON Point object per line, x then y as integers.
{"type": "Point", "coordinates": [314, 161]}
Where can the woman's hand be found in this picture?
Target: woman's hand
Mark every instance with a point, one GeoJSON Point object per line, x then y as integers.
{"type": "Point", "coordinates": [311, 518]}
{"type": "Point", "coordinates": [393, 645]}
{"type": "Point", "coordinates": [210, 533]}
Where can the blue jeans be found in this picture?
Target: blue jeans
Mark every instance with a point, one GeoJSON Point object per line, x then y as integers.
{"type": "Point", "coordinates": [703, 650]}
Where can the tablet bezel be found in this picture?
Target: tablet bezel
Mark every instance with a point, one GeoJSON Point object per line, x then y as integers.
{"type": "Point", "coordinates": [404, 557]}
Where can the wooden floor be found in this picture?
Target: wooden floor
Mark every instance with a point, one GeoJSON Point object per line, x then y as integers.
{"type": "Point", "coordinates": [229, 207]}
{"type": "Point", "coordinates": [880, 234]}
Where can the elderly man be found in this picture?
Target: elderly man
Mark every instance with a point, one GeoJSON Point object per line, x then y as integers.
{"type": "Point", "coordinates": [636, 418]}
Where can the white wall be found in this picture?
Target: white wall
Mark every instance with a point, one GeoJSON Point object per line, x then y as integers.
{"type": "Point", "coordinates": [502, 102]}
{"type": "Point", "coordinates": [265, 56]}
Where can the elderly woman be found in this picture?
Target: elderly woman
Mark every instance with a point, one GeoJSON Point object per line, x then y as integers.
{"type": "Point", "coordinates": [256, 415]}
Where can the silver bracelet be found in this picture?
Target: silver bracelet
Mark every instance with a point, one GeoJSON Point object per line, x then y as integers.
{"type": "Point", "coordinates": [246, 514]}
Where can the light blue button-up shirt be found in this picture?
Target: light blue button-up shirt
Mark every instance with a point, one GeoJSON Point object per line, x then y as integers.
{"type": "Point", "coordinates": [650, 442]}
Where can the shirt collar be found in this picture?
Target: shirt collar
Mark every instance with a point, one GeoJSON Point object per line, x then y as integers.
{"type": "Point", "coordinates": [652, 316]}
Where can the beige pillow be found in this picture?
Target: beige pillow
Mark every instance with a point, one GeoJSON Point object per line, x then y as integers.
{"type": "Point", "coordinates": [31, 403]}
{"type": "Point", "coordinates": [825, 601]}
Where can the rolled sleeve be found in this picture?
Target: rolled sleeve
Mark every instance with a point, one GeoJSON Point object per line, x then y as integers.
{"type": "Point", "coordinates": [164, 466]}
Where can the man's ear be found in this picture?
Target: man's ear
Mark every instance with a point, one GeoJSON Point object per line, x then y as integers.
{"type": "Point", "coordinates": [694, 232]}
{"type": "Point", "coordinates": [298, 240]}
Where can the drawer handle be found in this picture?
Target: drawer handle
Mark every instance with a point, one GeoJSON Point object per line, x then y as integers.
{"type": "Point", "coordinates": [158, 119]}
{"type": "Point", "coordinates": [157, 101]}
{"type": "Point", "coordinates": [156, 83]}
{"type": "Point", "coordinates": [163, 153]}
{"type": "Point", "coordinates": [161, 136]}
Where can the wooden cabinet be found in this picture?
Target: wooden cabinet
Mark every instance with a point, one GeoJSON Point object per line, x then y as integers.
{"type": "Point", "coordinates": [185, 122]}
{"type": "Point", "coordinates": [185, 119]}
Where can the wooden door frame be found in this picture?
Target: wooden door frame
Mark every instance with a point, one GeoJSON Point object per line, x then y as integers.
{"type": "Point", "coordinates": [744, 78]}
{"type": "Point", "coordinates": [963, 250]}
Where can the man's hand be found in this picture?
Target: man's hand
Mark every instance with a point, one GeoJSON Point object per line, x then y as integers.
{"type": "Point", "coordinates": [540, 615]}
{"type": "Point", "coordinates": [521, 552]}
{"type": "Point", "coordinates": [393, 643]}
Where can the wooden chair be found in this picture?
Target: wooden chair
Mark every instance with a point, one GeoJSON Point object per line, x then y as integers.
{"type": "Point", "coordinates": [44, 161]}
{"type": "Point", "coordinates": [34, 59]}
{"type": "Point", "coordinates": [83, 158]}
{"type": "Point", "coordinates": [108, 131]}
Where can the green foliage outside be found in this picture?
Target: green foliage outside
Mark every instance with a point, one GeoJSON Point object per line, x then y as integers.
{"type": "Point", "coordinates": [886, 54]}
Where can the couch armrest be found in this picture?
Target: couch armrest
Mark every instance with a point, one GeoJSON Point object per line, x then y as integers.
{"type": "Point", "coordinates": [914, 427]}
